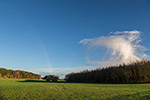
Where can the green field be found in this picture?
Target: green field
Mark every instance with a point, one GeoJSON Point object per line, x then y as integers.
{"type": "Point", "coordinates": [14, 89]}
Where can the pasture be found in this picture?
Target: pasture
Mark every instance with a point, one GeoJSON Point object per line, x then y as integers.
{"type": "Point", "coordinates": [21, 89]}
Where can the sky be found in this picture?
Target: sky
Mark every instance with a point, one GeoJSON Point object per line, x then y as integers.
{"type": "Point", "coordinates": [44, 36]}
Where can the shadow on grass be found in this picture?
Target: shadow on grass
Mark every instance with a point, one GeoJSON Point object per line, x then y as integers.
{"type": "Point", "coordinates": [1, 98]}
{"type": "Point", "coordinates": [42, 81]}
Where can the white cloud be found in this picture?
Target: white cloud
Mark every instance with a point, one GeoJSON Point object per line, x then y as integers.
{"type": "Point", "coordinates": [123, 46]}
{"type": "Point", "coordinates": [126, 32]}
{"type": "Point", "coordinates": [61, 72]}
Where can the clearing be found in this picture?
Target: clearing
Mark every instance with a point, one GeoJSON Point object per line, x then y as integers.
{"type": "Point", "coordinates": [14, 89]}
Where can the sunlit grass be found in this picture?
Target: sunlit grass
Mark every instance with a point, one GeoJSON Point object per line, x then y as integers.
{"type": "Point", "coordinates": [13, 89]}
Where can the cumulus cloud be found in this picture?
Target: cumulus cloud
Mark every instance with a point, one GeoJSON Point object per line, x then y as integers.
{"type": "Point", "coordinates": [123, 46]}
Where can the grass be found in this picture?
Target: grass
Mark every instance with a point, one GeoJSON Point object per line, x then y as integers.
{"type": "Point", "coordinates": [20, 89]}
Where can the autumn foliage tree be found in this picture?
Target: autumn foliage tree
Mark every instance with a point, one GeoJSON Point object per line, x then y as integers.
{"type": "Point", "coordinates": [4, 73]}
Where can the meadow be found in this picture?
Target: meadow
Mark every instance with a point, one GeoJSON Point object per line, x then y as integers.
{"type": "Point", "coordinates": [21, 89]}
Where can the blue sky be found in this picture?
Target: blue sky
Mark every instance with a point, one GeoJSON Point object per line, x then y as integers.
{"type": "Point", "coordinates": [43, 34]}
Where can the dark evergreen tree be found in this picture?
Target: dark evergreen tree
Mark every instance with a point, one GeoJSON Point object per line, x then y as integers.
{"type": "Point", "coordinates": [137, 72]}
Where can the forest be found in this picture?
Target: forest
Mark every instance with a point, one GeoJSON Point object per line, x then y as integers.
{"type": "Point", "coordinates": [136, 72]}
{"type": "Point", "coordinates": [4, 73]}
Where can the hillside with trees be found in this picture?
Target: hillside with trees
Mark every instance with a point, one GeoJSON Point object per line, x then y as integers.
{"type": "Point", "coordinates": [4, 73]}
{"type": "Point", "coordinates": [137, 72]}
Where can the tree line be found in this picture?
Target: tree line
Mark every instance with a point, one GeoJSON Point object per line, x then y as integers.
{"type": "Point", "coordinates": [4, 73]}
{"type": "Point", "coordinates": [137, 72]}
